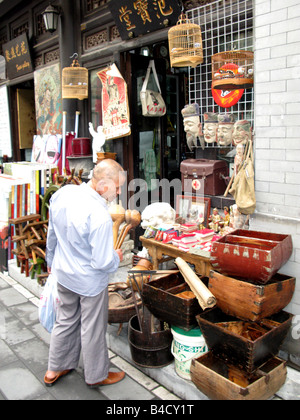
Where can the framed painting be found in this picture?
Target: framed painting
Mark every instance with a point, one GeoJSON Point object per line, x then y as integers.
{"type": "Point", "coordinates": [193, 209]}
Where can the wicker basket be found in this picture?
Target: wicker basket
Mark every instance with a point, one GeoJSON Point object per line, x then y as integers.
{"type": "Point", "coordinates": [75, 82]}
{"type": "Point", "coordinates": [185, 44]}
{"type": "Point", "coordinates": [232, 70]}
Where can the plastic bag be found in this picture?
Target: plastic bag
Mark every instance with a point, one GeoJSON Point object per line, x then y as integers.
{"type": "Point", "coordinates": [48, 304]}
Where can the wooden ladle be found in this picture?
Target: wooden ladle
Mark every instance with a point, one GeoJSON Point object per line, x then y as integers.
{"type": "Point", "coordinates": [135, 220]}
{"type": "Point", "coordinates": [117, 213]}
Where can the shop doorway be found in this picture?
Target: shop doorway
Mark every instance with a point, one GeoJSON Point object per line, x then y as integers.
{"type": "Point", "coordinates": [23, 119]}
{"type": "Point", "coordinates": [156, 143]}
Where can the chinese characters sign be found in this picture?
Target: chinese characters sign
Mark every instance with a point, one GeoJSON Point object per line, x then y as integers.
{"type": "Point", "coordinates": [138, 17]}
{"type": "Point", "coordinates": [17, 57]}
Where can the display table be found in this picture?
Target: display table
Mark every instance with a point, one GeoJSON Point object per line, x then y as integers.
{"type": "Point", "coordinates": [158, 249]}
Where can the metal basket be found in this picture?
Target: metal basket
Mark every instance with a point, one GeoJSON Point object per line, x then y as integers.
{"type": "Point", "coordinates": [232, 70]}
{"type": "Point", "coordinates": [185, 44]}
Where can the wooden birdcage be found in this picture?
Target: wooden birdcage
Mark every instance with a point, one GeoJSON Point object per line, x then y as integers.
{"type": "Point", "coordinates": [75, 81]}
{"type": "Point", "coordinates": [232, 70]}
{"type": "Point", "coordinates": [185, 44]}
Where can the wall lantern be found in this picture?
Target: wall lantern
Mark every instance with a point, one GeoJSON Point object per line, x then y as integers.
{"type": "Point", "coordinates": [50, 16]}
{"type": "Point", "coordinates": [75, 81]}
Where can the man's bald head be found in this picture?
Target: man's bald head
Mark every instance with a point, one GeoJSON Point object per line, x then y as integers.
{"type": "Point", "coordinates": [108, 177]}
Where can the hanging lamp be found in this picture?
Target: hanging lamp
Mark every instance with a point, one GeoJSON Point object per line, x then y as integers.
{"type": "Point", "coordinates": [75, 81]}
{"type": "Point", "coordinates": [232, 70]}
{"type": "Point", "coordinates": [50, 16]}
{"type": "Point", "coordinates": [185, 43]}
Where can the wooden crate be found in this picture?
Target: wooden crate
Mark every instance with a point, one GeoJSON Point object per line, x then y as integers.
{"type": "Point", "coordinates": [244, 344]}
{"type": "Point", "coordinates": [164, 299]}
{"type": "Point", "coordinates": [249, 301]}
{"type": "Point", "coordinates": [220, 381]}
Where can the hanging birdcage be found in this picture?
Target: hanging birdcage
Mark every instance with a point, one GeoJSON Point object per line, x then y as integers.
{"type": "Point", "coordinates": [232, 70]}
{"type": "Point", "coordinates": [75, 81]}
{"type": "Point", "coordinates": [185, 44]}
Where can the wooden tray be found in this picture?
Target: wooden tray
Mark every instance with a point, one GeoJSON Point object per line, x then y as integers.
{"type": "Point", "coordinates": [161, 297]}
{"type": "Point", "coordinates": [249, 301]}
{"type": "Point", "coordinates": [220, 381]}
{"type": "Point", "coordinates": [244, 344]}
{"type": "Point", "coordinates": [251, 255]}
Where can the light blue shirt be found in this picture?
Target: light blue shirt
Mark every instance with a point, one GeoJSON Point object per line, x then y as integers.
{"type": "Point", "coordinates": [80, 240]}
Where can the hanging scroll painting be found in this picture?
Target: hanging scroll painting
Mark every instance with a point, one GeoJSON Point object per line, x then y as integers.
{"type": "Point", "coordinates": [48, 102]}
{"type": "Point", "coordinates": [115, 110]}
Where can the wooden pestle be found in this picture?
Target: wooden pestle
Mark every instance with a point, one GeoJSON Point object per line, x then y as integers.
{"type": "Point", "coordinates": [117, 213]}
{"type": "Point", "coordinates": [127, 220]}
{"type": "Point", "coordinates": [135, 220]}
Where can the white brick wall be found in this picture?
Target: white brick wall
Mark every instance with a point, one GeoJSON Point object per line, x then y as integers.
{"type": "Point", "coordinates": [277, 126]}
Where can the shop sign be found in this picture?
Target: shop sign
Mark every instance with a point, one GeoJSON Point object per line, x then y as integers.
{"type": "Point", "coordinates": [17, 57]}
{"type": "Point", "coordinates": [138, 17]}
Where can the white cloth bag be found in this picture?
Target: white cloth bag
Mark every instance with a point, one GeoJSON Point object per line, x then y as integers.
{"type": "Point", "coordinates": [153, 104]}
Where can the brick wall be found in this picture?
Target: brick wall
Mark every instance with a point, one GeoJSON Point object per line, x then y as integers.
{"type": "Point", "coordinates": [277, 126]}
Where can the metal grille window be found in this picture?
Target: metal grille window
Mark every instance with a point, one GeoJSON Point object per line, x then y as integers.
{"type": "Point", "coordinates": [225, 26]}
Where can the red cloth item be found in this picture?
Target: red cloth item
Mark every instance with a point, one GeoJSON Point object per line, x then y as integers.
{"type": "Point", "coordinates": [69, 152]}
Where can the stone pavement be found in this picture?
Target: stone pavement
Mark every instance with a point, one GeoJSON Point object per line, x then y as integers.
{"type": "Point", "coordinates": [24, 346]}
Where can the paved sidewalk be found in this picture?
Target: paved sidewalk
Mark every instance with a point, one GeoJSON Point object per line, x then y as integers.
{"type": "Point", "coordinates": [24, 346]}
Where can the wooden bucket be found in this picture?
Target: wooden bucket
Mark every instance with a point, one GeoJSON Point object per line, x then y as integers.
{"type": "Point", "coordinates": [149, 348]}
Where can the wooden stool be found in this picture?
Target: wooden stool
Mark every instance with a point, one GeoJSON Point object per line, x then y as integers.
{"type": "Point", "coordinates": [23, 262]}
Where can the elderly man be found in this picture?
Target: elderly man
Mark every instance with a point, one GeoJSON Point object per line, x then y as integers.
{"type": "Point", "coordinates": [80, 255]}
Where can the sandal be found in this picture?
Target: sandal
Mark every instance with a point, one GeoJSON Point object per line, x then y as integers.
{"type": "Point", "coordinates": [51, 382]}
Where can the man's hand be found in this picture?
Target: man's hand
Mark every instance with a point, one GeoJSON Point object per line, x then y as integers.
{"type": "Point", "coordinates": [120, 253]}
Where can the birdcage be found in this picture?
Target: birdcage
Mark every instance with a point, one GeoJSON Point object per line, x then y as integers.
{"type": "Point", "coordinates": [185, 44]}
{"type": "Point", "coordinates": [75, 81]}
{"type": "Point", "coordinates": [232, 70]}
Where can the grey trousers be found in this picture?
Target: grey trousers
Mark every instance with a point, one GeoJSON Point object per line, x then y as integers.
{"type": "Point", "coordinates": [81, 325]}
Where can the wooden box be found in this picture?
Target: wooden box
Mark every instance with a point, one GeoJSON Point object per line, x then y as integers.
{"type": "Point", "coordinates": [220, 381]}
{"type": "Point", "coordinates": [249, 301]}
{"type": "Point", "coordinates": [244, 344]}
{"type": "Point", "coordinates": [166, 300]}
{"type": "Point", "coordinates": [210, 174]}
{"type": "Point", "coordinates": [250, 254]}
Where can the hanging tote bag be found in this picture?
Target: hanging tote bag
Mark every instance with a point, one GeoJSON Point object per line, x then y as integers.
{"type": "Point", "coordinates": [243, 188]}
{"type": "Point", "coordinates": [48, 304]}
{"type": "Point", "coordinates": [153, 104]}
